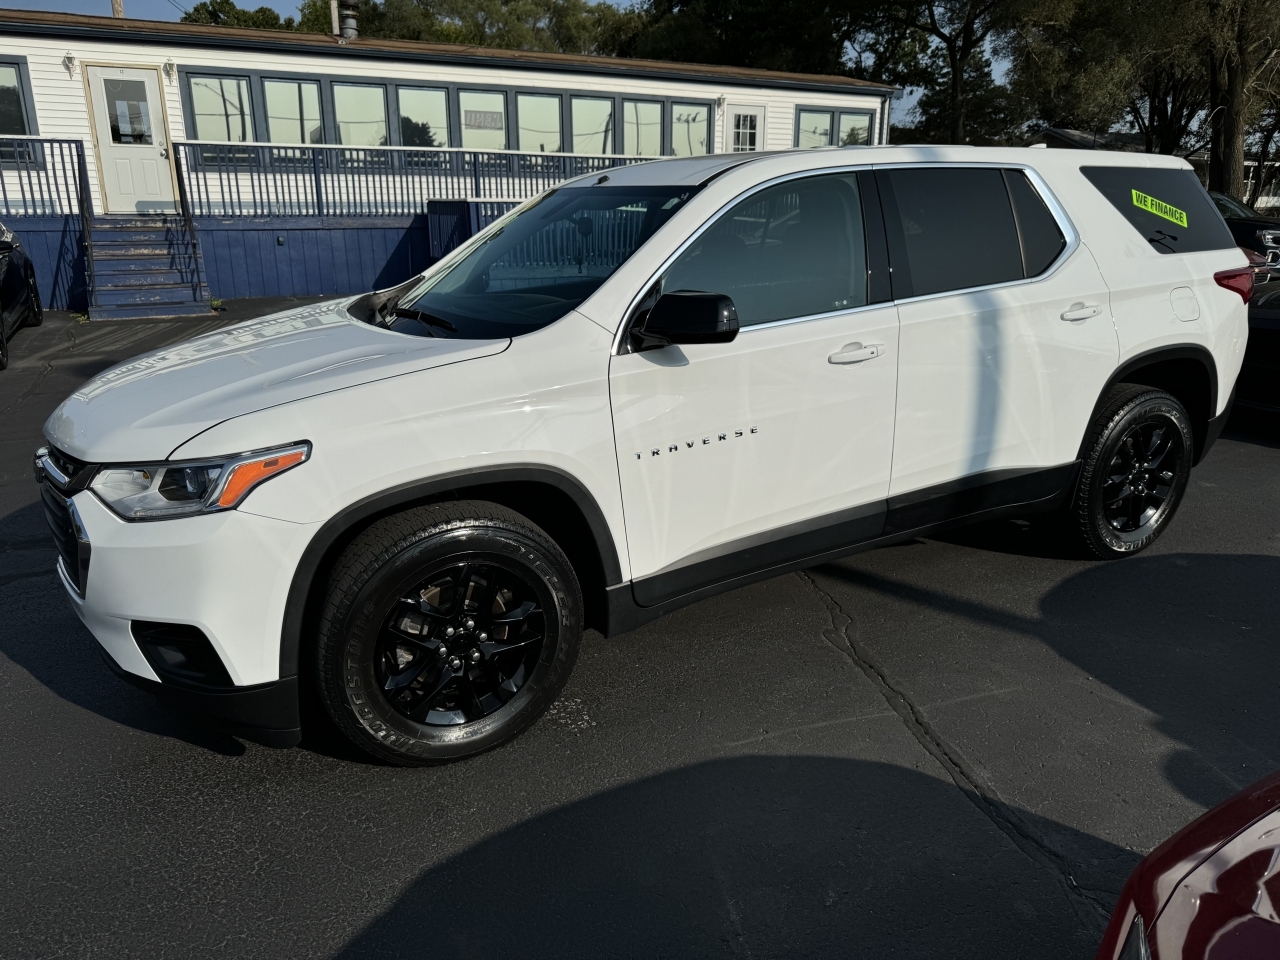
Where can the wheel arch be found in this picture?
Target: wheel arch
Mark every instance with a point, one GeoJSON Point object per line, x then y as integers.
{"type": "Point", "coordinates": [549, 497]}
{"type": "Point", "coordinates": [1188, 372]}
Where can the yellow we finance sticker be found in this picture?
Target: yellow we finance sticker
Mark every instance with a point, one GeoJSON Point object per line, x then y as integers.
{"type": "Point", "coordinates": [1159, 208]}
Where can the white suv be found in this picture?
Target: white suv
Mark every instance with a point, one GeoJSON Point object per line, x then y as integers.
{"type": "Point", "coordinates": [635, 391]}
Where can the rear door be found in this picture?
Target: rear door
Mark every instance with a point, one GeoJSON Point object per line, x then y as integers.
{"type": "Point", "coordinates": [1006, 334]}
{"type": "Point", "coordinates": [735, 457]}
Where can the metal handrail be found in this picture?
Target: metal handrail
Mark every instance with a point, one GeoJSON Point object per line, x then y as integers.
{"type": "Point", "coordinates": [185, 207]}
{"type": "Point", "coordinates": [256, 179]}
{"type": "Point", "coordinates": [86, 227]}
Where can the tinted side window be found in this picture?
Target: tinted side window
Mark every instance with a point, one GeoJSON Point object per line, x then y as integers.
{"type": "Point", "coordinates": [957, 228]}
{"type": "Point", "coordinates": [1042, 239]}
{"type": "Point", "coordinates": [1168, 207]}
{"type": "Point", "coordinates": [792, 250]}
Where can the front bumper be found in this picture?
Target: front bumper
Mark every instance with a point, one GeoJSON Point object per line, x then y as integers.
{"type": "Point", "coordinates": [226, 575]}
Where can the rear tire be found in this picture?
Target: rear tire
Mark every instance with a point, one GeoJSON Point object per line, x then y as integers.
{"type": "Point", "coordinates": [1137, 462]}
{"type": "Point", "coordinates": [447, 630]}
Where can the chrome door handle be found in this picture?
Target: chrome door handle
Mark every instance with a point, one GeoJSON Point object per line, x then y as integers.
{"type": "Point", "coordinates": [856, 353]}
{"type": "Point", "coordinates": [1081, 311]}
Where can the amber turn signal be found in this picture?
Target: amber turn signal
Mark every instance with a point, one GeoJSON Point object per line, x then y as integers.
{"type": "Point", "coordinates": [247, 474]}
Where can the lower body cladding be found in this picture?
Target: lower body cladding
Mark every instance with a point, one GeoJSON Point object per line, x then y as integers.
{"type": "Point", "coordinates": [188, 609]}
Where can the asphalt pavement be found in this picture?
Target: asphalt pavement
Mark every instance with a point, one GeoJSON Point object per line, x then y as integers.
{"type": "Point", "coordinates": [957, 747]}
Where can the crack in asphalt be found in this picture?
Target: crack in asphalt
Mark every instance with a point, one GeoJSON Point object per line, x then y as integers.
{"type": "Point", "coordinates": [968, 781]}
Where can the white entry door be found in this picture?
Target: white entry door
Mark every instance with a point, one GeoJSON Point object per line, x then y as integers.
{"type": "Point", "coordinates": [130, 134]}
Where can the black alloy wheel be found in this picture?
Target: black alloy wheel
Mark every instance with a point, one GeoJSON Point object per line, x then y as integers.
{"type": "Point", "coordinates": [462, 643]}
{"type": "Point", "coordinates": [1136, 467]}
{"type": "Point", "coordinates": [447, 630]}
{"type": "Point", "coordinates": [35, 309]}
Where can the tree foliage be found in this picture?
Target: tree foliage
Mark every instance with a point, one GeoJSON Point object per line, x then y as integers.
{"type": "Point", "coordinates": [1182, 74]}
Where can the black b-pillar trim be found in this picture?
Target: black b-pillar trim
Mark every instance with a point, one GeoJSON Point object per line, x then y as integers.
{"type": "Point", "coordinates": [879, 284]}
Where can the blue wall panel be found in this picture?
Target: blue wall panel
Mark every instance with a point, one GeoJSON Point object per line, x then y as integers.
{"type": "Point", "coordinates": [55, 246]}
{"type": "Point", "coordinates": [310, 256]}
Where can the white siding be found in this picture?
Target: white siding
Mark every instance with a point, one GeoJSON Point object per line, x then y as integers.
{"type": "Point", "coordinates": [61, 110]}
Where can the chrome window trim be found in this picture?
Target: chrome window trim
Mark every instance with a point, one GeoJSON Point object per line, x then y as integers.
{"type": "Point", "coordinates": [1056, 210]}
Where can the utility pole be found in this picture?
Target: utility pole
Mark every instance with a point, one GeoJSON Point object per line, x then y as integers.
{"type": "Point", "coordinates": [117, 9]}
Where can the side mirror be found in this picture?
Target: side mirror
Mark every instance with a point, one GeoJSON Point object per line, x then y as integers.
{"type": "Point", "coordinates": [687, 316]}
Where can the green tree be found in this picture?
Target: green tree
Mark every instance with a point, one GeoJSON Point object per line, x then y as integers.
{"type": "Point", "coordinates": [225, 13]}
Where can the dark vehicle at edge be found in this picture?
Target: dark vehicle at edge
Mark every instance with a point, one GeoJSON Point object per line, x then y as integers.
{"type": "Point", "coordinates": [1259, 384]}
{"type": "Point", "coordinates": [19, 297]}
{"type": "Point", "coordinates": [1209, 892]}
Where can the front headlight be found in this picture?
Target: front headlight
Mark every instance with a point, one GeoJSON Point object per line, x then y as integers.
{"type": "Point", "coordinates": [157, 491]}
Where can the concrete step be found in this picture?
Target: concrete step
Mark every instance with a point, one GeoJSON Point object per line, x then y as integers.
{"type": "Point", "coordinates": [133, 311]}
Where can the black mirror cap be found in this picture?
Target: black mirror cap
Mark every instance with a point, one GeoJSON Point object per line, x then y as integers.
{"type": "Point", "coordinates": [688, 316]}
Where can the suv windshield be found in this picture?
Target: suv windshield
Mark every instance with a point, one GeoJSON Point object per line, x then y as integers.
{"type": "Point", "coordinates": [1231, 207]}
{"type": "Point", "coordinates": [535, 267]}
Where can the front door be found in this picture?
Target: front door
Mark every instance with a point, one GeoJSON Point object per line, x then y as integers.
{"type": "Point", "coordinates": [130, 134]}
{"type": "Point", "coordinates": [740, 456]}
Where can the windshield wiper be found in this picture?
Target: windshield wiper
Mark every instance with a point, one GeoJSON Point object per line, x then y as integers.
{"type": "Point", "coordinates": [426, 318]}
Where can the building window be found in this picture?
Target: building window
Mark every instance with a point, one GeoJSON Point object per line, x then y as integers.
{"type": "Point", "coordinates": [855, 130]}
{"type": "Point", "coordinates": [592, 125]}
{"type": "Point", "coordinates": [220, 106]}
{"type": "Point", "coordinates": [744, 132]}
{"type": "Point", "coordinates": [13, 114]}
{"type": "Point", "coordinates": [128, 111]}
{"type": "Point", "coordinates": [538, 119]}
{"type": "Point", "coordinates": [813, 129]}
{"type": "Point", "coordinates": [641, 129]}
{"type": "Point", "coordinates": [484, 120]}
{"type": "Point", "coordinates": [293, 111]}
{"type": "Point", "coordinates": [360, 112]}
{"type": "Point", "coordinates": [424, 117]}
{"type": "Point", "coordinates": [690, 129]}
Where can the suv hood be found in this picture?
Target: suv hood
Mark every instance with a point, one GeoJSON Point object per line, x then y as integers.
{"type": "Point", "coordinates": [146, 408]}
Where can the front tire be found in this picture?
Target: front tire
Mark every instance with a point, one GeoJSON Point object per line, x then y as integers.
{"type": "Point", "coordinates": [1137, 463]}
{"type": "Point", "coordinates": [447, 630]}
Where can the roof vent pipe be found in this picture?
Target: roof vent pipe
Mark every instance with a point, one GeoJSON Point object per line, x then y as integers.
{"type": "Point", "coordinates": [347, 21]}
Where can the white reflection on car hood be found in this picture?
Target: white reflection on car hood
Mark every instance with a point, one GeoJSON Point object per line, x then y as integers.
{"type": "Point", "coordinates": [145, 408]}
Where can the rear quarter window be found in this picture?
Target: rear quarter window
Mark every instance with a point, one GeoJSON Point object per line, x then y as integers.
{"type": "Point", "coordinates": [1169, 208]}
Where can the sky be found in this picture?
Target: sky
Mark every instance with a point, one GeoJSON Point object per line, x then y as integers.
{"type": "Point", "coordinates": [141, 9]}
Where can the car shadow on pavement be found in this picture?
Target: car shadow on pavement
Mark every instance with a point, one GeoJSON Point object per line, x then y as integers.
{"type": "Point", "coordinates": [43, 636]}
{"type": "Point", "coordinates": [1190, 637]}
{"type": "Point", "coordinates": [755, 856]}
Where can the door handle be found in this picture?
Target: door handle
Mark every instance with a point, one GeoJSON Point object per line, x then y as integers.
{"type": "Point", "coordinates": [1081, 311]}
{"type": "Point", "coordinates": [856, 353]}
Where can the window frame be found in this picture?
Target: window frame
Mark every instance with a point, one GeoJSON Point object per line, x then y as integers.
{"type": "Point", "coordinates": [836, 113]}
{"type": "Point", "coordinates": [19, 64]}
{"type": "Point", "coordinates": [452, 88]}
{"type": "Point", "coordinates": [622, 340]}
{"type": "Point", "coordinates": [858, 112]}
{"type": "Point", "coordinates": [386, 114]}
{"type": "Point", "coordinates": [516, 94]}
{"type": "Point", "coordinates": [394, 132]}
{"type": "Point", "coordinates": [189, 104]}
{"type": "Point", "coordinates": [669, 124]}
{"type": "Point", "coordinates": [663, 109]}
{"type": "Point", "coordinates": [1056, 210]}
